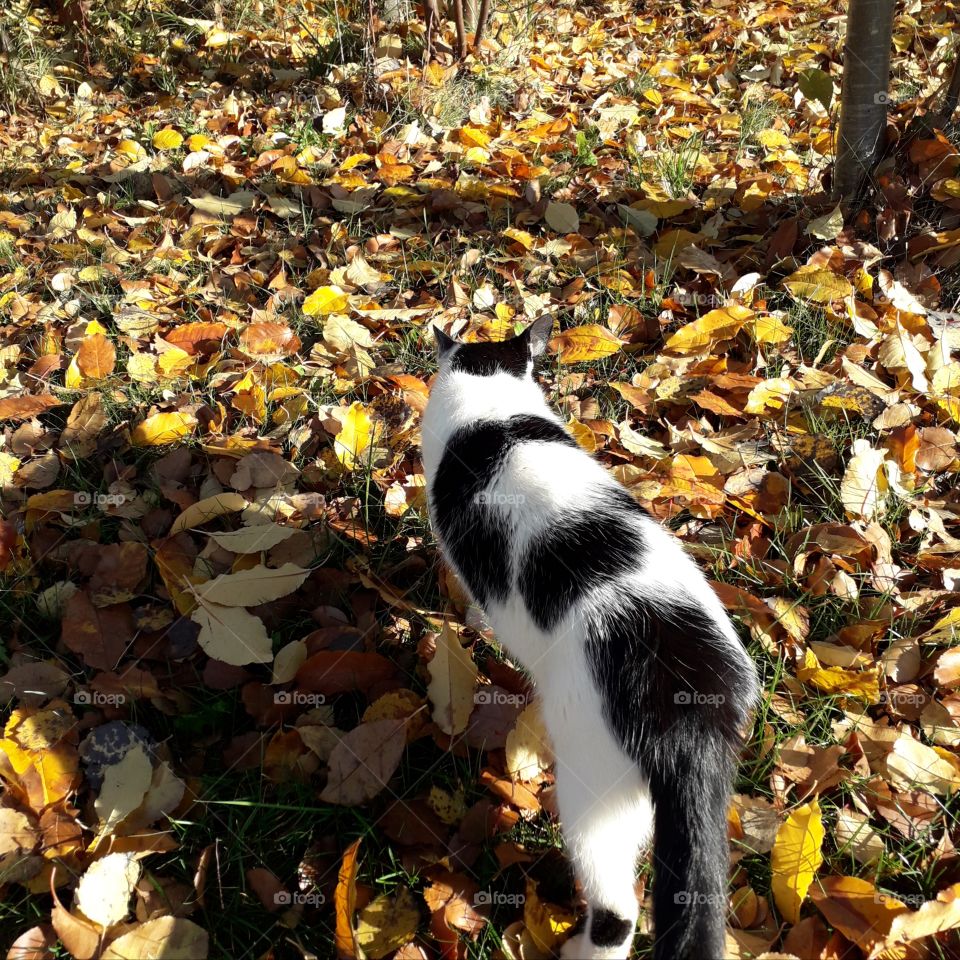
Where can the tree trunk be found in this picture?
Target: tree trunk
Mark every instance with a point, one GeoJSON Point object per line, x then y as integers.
{"type": "Point", "coordinates": [482, 18]}
{"type": "Point", "coordinates": [461, 31]}
{"type": "Point", "coordinates": [863, 104]}
{"type": "Point", "coordinates": [953, 91]}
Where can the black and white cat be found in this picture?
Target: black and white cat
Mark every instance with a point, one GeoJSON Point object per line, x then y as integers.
{"type": "Point", "coordinates": [642, 680]}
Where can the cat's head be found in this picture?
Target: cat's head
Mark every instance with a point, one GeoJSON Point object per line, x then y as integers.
{"type": "Point", "coordinates": [514, 356]}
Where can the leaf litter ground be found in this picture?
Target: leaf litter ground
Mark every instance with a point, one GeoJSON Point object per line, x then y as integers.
{"type": "Point", "coordinates": [248, 713]}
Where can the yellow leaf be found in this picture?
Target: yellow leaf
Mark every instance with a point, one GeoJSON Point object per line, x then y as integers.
{"type": "Point", "coordinates": [132, 150]}
{"type": "Point", "coordinates": [354, 160]}
{"type": "Point", "coordinates": [167, 139]}
{"type": "Point", "coordinates": [528, 749]}
{"type": "Point", "coordinates": [769, 329]}
{"type": "Point", "coordinates": [818, 284]}
{"type": "Point", "coordinates": [324, 301]}
{"type": "Point", "coordinates": [477, 155]}
{"type": "Point", "coordinates": [769, 395]}
{"type": "Point", "coordinates": [103, 893]}
{"type": "Point", "coordinates": [163, 428]}
{"type": "Point", "coordinates": [198, 141]}
{"type": "Point", "coordinates": [585, 344]}
{"type": "Point", "coordinates": [520, 236]}
{"type": "Point", "coordinates": [8, 467]}
{"type": "Point", "coordinates": [701, 334]}
{"type": "Point", "coordinates": [73, 378]}
{"type": "Point", "coordinates": [357, 436]}
{"type": "Point", "coordinates": [142, 367]}
{"type": "Point", "coordinates": [453, 678]}
{"type": "Point", "coordinates": [857, 683]}
{"type": "Point", "coordinates": [171, 363]}
{"type": "Point", "coordinates": [795, 858]}
{"type": "Point", "coordinates": [945, 631]}
{"type": "Point", "coordinates": [584, 436]}
{"type": "Point", "coordinates": [773, 139]}
{"type": "Point", "coordinates": [387, 923]}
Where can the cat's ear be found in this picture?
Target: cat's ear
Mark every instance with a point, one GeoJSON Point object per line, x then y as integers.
{"type": "Point", "coordinates": [538, 334]}
{"type": "Point", "coordinates": [444, 343]}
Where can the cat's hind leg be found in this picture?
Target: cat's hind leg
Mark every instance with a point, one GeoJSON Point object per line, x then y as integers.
{"type": "Point", "coordinates": [607, 820]}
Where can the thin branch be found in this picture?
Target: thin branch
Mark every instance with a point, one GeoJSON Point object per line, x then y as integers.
{"type": "Point", "coordinates": [461, 32]}
{"type": "Point", "coordinates": [481, 24]}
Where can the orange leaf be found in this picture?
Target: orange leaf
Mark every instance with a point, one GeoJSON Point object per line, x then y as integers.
{"type": "Point", "coordinates": [269, 339]}
{"type": "Point", "coordinates": [857, 909]}
{"type": "Point", "coordinates": [23, 408]}
{"type": "Point", "coordinates": [345, 902]}
{"type": "Point", "coordinates": [190, 336]}
{"type": "Point", "coordinates": [96, 357]}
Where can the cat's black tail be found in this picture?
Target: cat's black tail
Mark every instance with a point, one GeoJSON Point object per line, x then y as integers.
{"type": "Point", "coordinates": [690, 852]}
{"type": "Point", "coordinates": [678, 689]}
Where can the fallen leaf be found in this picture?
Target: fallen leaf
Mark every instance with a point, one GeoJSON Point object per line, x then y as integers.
{"type": "Point", "coordinates": [231, 634]}
{"type": "Point", "coordinates": [124, 786]}
{"type": "Point", "coordinates": [363, 762]}
{"type": "Point", "coordinates": [795, 858]}
{"type": "Point", "coordinates": [585, 344]}
{"type": "Point", "coordinates": [104, 891]}
{"type": "Point", "coordinates": [453, 678]}
{"type": "Point", "coordinates": [387, 923]}
{"type": "Point", "coordinates": [163, 938]}
{"type": "Point", "coordinates": [163, 428]}
{"type": "Point", "coordinates": [562, 217]}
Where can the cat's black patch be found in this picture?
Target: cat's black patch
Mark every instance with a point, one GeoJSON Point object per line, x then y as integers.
{"type": "Point", "coordinates": [676, 696]}
{"type": "Point", "coordinates": [486, 359]}
{"type": "Point", "coordinates": [528, 426]}
{"type": "Point", "coordinates": [607, 929]}
{"type": "Point", "coordinates": [475, 536]}
{"type": "Point", "coordinates": [474, 531]}
{"type": "Point", "coordinates": [580, 552]}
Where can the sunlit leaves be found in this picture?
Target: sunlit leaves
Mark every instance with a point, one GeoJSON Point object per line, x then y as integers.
{"type": "Point", "coordinates": [163, 428]}
{"type": "Point", "coordinates": [796, 858]}
{"type": "Point", "coordinates": [324, 301]}
{"type": "Point", "coordinates": [587, 343]}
